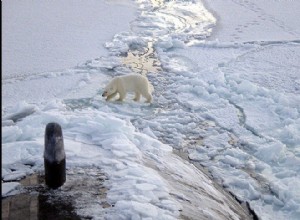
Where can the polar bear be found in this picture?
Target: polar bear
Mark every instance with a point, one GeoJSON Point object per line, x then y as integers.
{"type": "Point", "coordinates": [129, 83]}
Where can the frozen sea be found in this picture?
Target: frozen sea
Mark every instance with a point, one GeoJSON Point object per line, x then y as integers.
{"type": "Point", "coordinates": [225, 111]}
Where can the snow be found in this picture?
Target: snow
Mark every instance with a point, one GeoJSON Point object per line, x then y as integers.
{"type": "Point", "coordinates": [226, 97]}
{"type": "Point", "coordinates": [10, 188]}
{"type": "Point", "coordinates": [34, 31]}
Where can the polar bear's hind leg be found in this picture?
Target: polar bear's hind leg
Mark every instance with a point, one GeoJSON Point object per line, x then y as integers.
{"type": "Point", "coordinates": [148, 96]}
{"type": "Point", "coordinates": [137, 96]}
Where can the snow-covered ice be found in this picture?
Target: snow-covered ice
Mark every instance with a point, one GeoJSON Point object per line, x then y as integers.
{"type": "Point", "coordinates": [227, 97]}
{"type": "Point", "coordinates": [49, 36]}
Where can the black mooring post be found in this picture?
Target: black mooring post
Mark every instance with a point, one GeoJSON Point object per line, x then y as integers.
{"type": "Point", "coordinates": [54, 156]}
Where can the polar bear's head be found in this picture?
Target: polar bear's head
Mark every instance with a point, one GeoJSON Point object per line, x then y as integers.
{"type": "Point", "coordinates": [110, 89]}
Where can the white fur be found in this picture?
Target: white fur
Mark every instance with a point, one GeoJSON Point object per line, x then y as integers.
{"type": "Point", "coordinates": [129, 83]}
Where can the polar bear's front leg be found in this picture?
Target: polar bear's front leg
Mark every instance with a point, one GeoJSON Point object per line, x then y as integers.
{"type": "Point", "coordinates": [122, 97]}
{"type": "Point", "coordinates": [121, 90]}
{"type": "Point", "coordinates": [111, 96]}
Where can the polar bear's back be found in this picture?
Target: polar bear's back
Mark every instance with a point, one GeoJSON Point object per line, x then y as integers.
{"type": "Point", "coordinates": [136, 83]}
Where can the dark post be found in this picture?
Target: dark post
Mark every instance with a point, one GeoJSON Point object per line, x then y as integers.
{"type": "Point", "coordinates": [54, 156]}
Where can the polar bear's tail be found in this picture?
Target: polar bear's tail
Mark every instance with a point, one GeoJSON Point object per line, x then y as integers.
{"type": "Point", "coordinates": [151, 87]}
